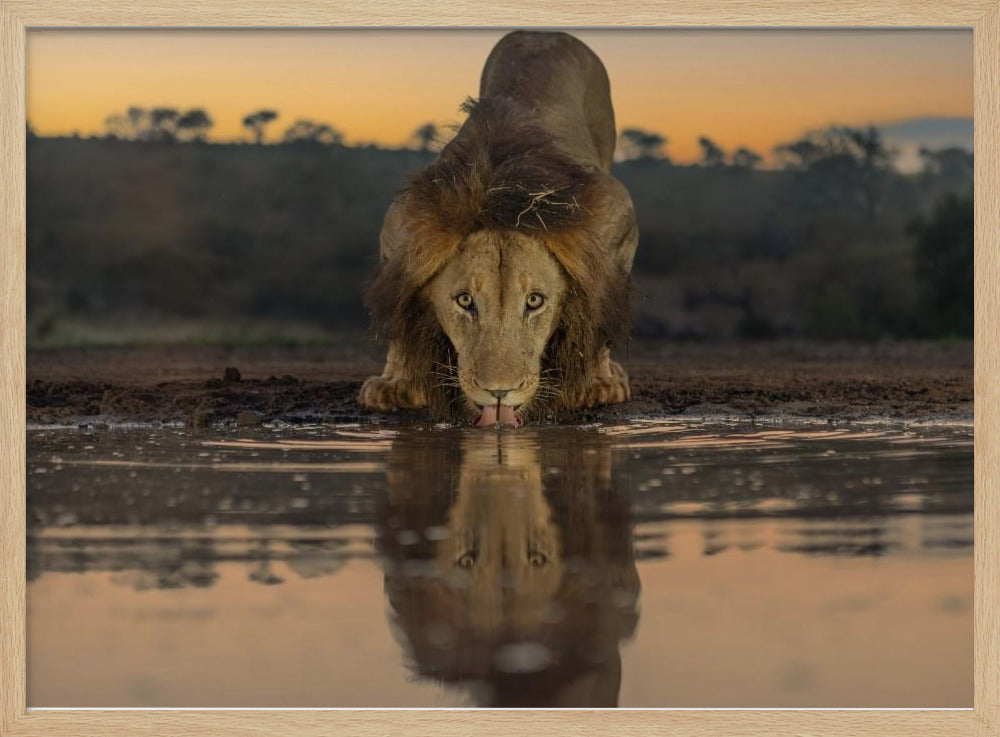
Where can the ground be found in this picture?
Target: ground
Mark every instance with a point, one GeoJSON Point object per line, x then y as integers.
{"type": "Point", "coordinates": [202, 385]}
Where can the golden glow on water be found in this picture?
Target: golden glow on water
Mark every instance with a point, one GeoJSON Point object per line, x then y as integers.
{"type": "Point", "coordinates": [274, 467]}
{"type": "Point", "coordinates": [751, 629]}
{"type": "Point", "coordinates": [646, 564]}
{"type": "Point", "coordinates": [354, 446]}
{"type": "Point", "coordinates": [742, 88]}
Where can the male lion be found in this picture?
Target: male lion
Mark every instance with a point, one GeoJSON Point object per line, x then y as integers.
{"type": "Point", "coordinates": [504, 266]}
{"type": "Point", "coordinates": [503, 578]}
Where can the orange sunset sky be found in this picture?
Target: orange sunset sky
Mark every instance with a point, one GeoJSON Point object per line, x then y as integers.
{"type": "Point", "coordinates": [742, 88]}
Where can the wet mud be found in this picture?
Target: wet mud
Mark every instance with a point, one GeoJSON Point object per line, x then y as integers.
{"type": "Point", "coordinates": [205, 386]}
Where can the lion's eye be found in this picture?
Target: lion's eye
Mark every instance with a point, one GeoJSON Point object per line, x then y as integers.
{"type": "Point", "coordinates": [534, 301]}
{"type": "Point", "coordinates": [465, 301]}
{"type": "Point", "coordinates": [537, 559]}
{"type": "Point", "coordinates": [466, 559]}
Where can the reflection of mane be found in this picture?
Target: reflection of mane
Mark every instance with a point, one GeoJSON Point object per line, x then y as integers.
{"type": "Point", "coordinates": [515, 637]}
{"type": "Point", "coordinates": [500, 173]}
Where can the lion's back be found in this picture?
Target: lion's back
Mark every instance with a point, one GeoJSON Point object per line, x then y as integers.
{"type": "Point", "coordinates": [562, 79]}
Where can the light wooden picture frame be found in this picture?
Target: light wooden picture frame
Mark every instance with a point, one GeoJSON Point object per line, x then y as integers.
{"type": "Point", "coordinates": [19, 16]}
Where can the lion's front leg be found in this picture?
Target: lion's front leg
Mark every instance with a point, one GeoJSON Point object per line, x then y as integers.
{"type": "Point", "coordinates": [609, 384]}
{"type": "Point", "coordinates": [394, 389]}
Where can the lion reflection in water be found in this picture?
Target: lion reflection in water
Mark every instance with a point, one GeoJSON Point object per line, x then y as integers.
{"type": "Point", "coordinates": [509, 564]}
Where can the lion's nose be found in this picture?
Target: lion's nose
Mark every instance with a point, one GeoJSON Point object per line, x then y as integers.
{"type": "Point", "coordinates": [499, 393]}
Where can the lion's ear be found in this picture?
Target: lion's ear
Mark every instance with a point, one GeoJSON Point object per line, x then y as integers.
{"type": "Point", "coordinates": [613, 217]}
{"type": "Point", "coordinates": [393, 236]}
{"type": "Point", "coordinates": [602, 249]}
{"type": "Point", "coordinates": [413, 243]}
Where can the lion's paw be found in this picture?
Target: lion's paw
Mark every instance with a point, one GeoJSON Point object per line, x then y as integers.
{"type": "Point", "coordinates": [618, 372]}
{"type": "Point", "coordinates": [385, 395]}
{"type": "Point", "coordinates": [613, 389]}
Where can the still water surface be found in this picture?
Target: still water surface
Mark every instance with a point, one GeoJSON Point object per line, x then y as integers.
{"type": "Point", "coordinates": [643, 565]}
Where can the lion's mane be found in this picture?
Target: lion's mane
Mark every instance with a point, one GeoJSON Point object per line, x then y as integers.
{"type": "Point", "coordinates": [501, 174]}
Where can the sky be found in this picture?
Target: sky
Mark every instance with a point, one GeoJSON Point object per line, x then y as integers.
{"type": "Point", "coordinates": [753, 88]}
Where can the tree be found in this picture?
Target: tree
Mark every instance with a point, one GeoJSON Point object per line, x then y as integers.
{"type": "Point", "coordinates": [849, 164]}
{"type": "Point", "coordinates": [426, 135]}
{"type": "Point", "coordinates": [861, 146]}
{"type": "Point", "coordinates": [307, 131]}
{"type": "Point", "coordinates": [158, 125]}
{"type": "Point", "coordinates": [955, 164]}
{"type": "Point", "coordinates": [868, 146]}
{"type": "Point", "coordinates": [800, 154]}
{"type": "Point", "coordinates": [133, 125]}
{"type": "Point", "coordinates": [711, 153]}
{"type": "Point", "coordinates": [136, 120]}
{"type": "Point", "coordinates": [193, 125]}
{"type": "Point", "coordinates": [744, 158]}
{"type": "Point", "coordinates": [257, 121]}
{"type": "Point", "coordinates": [117, 126]}
{"type": "Point", "coordinates": [944, 263]}
{"type": "Point", "coordinates": [162, 125]}
{"type": "Point", "coordinates": [642, 145]}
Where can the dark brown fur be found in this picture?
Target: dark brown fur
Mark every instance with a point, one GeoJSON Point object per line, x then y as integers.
{"type": "Point", "coordinates": [597, 591]}
{"type": "Point", "coordinates": [499, 174]}
{"type": "Point", "coordinates": [493, 174]}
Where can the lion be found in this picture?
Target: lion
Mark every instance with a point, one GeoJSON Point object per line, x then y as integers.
{"type": "Point", "coordinates": [504, 267]}
{"type": "Point", "coordinates": [505, 579]}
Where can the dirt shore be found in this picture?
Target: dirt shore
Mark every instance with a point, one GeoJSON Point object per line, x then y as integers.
{"type": "Point", "coordinates": [202, 386]}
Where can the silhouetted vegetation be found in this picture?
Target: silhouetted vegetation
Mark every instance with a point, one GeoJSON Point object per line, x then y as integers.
{"type": "Point", "coordinates": [711, 153]}
{"type": "Point", "coordinates": [744, 158]}
{"type": "Point", "coordinates": [426, 136]}
{"type": "Point", "coordinates": [307, 131]}
{"type": "Point", "coordinates": [641, 145]}
{"type": "Point", "coordinates": [158, 125]}
{"type": "Point", "coordinates": [838, 244]}
{"type": "Point", "coordinates": [944, 260]}
{"type": "Point", "coordinates": [256, 122]}
{"type": "Point", "coordinates": [193, 125]}
{"type": "Point", "coordinates": [850, 164]}
{"type": "Point", "coordinates": [952, 165]}
{"type": "Point", "coordinates": [214, 232]}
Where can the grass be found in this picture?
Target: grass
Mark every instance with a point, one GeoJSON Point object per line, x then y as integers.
{"type": "Point", "coordinates": [69, 333]}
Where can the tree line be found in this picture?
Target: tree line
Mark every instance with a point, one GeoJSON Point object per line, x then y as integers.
{"type": "Point", "coordinates": [844, 145]}
{"type": "Point", "coordinates": [831, 147]}
{"type": "Point", "coordinates": [172, 125]}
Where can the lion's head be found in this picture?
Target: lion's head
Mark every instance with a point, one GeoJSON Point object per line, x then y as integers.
{"type": "Point", "coordinates": [499, 301]}
{"type": "Point", "coordinates": [498, 280]}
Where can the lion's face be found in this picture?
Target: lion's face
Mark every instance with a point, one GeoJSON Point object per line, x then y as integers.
{"type": "Point", "coordinates": [502, 556]}
{"type": "Point", "coordinates": [498, 301]}
{"type": "Point", "coordinates": [487, 550]}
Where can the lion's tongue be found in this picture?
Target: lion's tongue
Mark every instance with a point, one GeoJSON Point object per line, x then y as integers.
{"type": "Point", "coordinates": [508, 417]}
{"type": "Point", "coordinates": [488, 417]}
{"type": "Point", "coordinates": [505, 416]}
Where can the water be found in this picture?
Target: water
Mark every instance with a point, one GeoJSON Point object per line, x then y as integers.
{"type": "Point", "coordinates": [647, 564]}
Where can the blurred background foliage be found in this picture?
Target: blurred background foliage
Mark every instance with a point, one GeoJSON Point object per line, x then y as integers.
{"type": "Point", "coordinates": [151, 234]}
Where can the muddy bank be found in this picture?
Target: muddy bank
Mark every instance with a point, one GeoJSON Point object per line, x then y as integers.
{"type": "Point", "coordinates": [201, 386]}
